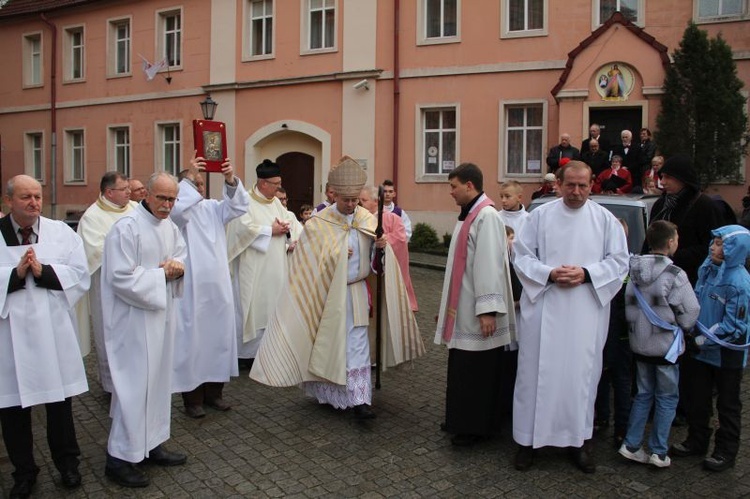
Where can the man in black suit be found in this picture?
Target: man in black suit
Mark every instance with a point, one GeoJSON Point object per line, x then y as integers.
{"type": "Point", "coordinates": [40, 361]}
{"type": "Point", "coordinates": [595, 134]}
{"type": "Point", "coordinates": [632, 158]}
{"type": "Point", "coordinates": [597, 159]}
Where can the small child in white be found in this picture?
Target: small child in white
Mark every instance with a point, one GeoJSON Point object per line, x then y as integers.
{"type": "Point", "coordinates": [668, 300]}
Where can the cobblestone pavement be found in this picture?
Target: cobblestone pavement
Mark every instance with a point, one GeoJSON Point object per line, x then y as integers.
{"type": "Point", "coordinates": [276, 443]}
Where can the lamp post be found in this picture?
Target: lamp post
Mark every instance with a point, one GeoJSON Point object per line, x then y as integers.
{"type": "Point", "coordinates": [208, 108]}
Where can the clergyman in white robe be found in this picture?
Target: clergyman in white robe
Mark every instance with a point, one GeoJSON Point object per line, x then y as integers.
{"type": "Point", "coordinates": [139, 325]}
{"type": "Point", "coordinates": [562, 330]}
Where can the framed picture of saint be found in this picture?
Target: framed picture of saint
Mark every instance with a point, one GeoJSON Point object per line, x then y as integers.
{"type": "Point", "coordinates": [210, 138]}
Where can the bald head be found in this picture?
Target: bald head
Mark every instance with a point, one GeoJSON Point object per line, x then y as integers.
{"type": "Point", "coordinates": [23, 195]}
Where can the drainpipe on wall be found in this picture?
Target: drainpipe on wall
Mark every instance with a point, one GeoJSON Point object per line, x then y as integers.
{"type": "Point", "coordinates": [396, 90]}
{"type": "Point", "coordinates": [53, 116]}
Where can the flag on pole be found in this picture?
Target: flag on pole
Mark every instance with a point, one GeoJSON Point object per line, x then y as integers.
{"type": "Point", "coordinates": [152, 69]}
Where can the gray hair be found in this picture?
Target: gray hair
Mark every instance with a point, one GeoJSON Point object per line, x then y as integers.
{"type": "Point", "coordinates": [11, 185]}
{"type": "Point", "coordinates": [371, 190]}
{"type": "Point", "coordinates": [156, 176]}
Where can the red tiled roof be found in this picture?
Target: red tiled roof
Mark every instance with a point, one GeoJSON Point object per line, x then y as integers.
{"type": "Point", "coordinates": [25, 7]}
{"type": "Point", "coordinates": [617, 18]}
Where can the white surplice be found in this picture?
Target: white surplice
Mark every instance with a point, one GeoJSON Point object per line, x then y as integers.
{"type": "Point", "coordinates": [562, 331]}
{"type": "Point", "coordinates": [205, 341]}
{"type": "Point", "coordinates": [515, 219]}
{"type": "Point", "coordinates": [40, 360]}
{"type": "Point", "coordinates": [93, 228]}
{"type": "Point", "coordinates": [139, 324]}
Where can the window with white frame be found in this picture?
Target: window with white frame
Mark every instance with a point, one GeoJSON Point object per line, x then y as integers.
{"type": "Point", "coordinates": [32, 60]}
{"type": "Point", "coordinates": [524, 18]}
{"type": "Point", "coordinates": [632, 10]}
{"type": "Point", "coordinates": [120, 149]}
{"type": "Point", "coordinates": [710, 10]}
{"type": "Point", "coordinates": [439, 140]}
{"type": "Point", "coordinates": [440, 18]}
{"type": "Point", "coordinates": [119, 47]}
{"type": "Point", "coordinates": [321, 24]}
{"type": "Point", "coordinates": [74, 54]}
{"type": "Point", "coordinates": [260, 28]}
{"type": "Point", "coordinates": [169, 147]}
{"type": "Point", "coordinates": [170, 37]}
{"type": "Point", "coordinates": [75, 156]}
{"type": "Point", "coordinates": [523, 130]}
{"type": "Point", "coordinates": [34, 155]}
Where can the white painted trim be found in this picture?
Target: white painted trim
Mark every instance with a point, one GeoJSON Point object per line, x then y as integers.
{"type": "Point", "coordinates": [647, 91]}
{"type": "Point", "coordinates": [304, 30]}
{"type": "Point", "coordinates": [596, 22]}
{"type": "Point", "coordinates": [420, 176]}
{"type": "Point", "coordinates": [502, 67]}
{"type": "Point", "coordinates": [66, 156]}
{"type": "Point", "coordinates": [111, 130]}
{"type": "Point", "coordinates": [67, 56]}
{"type": "Point", "coordinates": [573, 93]}
{"type": "Point", "coordinates": [159, 46]}
{"type": "Point", "coordinates": [111, 49]}
{"type": "Point", "coordinates": [421, 27]}
{"type": "Point", "coordinates": [159, 142]}
{"type": "Point", "coordinates": [26, 63]}
{"type": "Point", "coordinates": [28, 165]}
{"type": "Point", "coordinates": [720, 19]}
{"type": "Point", "coordinates": [502, 157]}
{"type": "Point", "coordinates": [247, 45]}
{"type": "Point", "coordinates": [505, 20]}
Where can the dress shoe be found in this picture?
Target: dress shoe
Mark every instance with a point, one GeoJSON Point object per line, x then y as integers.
{"type": "Point", "coordinates": [717, 462]}
{"type": "Point", "coordinates": [162, 457]}
{"type": "Point", "coordinates": [218, 404]}
{"type": "Point", "coordinates": [686, 449]}
{"type": "Point", "coordinates": [363, 412]}
{"type": "Point", "coordinates": [524, 457]}
{"type": "Point", "coordinates": [195, 411]}
{"type": "Point", "coordinates": [126, 475]}
{"type": "Point", "coordinates": [22, 488]}
{"type": "Point", "coordinates": [71, 478]}
{"type": "Point", "coordinates": [465, 440]}
{"type": "Point", "coordinates": [583, 457]}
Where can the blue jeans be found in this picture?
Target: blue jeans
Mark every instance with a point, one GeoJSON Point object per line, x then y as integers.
{"type": "Point", "coordinates": [657, 384]}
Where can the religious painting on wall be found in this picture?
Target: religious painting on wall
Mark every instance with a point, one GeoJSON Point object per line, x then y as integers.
{"type": "Point", "coordinates": [210, 138]}
{"type": "Point", "coordinates": [614, 81]}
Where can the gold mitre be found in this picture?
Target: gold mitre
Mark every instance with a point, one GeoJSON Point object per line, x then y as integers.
{"type": "Point", "coordinates": [347, 178]}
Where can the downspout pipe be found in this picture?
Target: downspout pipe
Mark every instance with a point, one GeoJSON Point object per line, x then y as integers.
{"type": "Point", "coordinates": [53, 115]}
{"type": "Point", "coordinates": [396, 90]}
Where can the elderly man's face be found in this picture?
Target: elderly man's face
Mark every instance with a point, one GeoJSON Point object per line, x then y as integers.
{"type": "Point", "coordinates": [347, 204]}
{"type": "Point", "coordinates": [137, 190]}
{"type": "Point", "coordinates": [626, 138]}
{"type": "Point", "coordinates": [368, 202]}
{"type": "Point", "coordinates": [594, 131]}
{"type": "Point", "coordinates": [26, 201]}
{"type": "Point", "coordinates": [565, 140]}
{"type": "Point", "coordinates": [594, 146]}
{"type": "Point", "coordinates": [162, 196]}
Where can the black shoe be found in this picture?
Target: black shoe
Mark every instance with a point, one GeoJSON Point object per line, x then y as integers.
{"type": "Point", "coordinates": [71, 478]}
{"type": "Point", "coordinates": [600, 425]}
{"type": "Point", "coordinates": [717, 462]}
{"type": "Point", "coordinates": [22, 488]}
{"type": "Point", "coordinates": [162, 457]}
{"type": "Point", "coordinates": [524, 457]}
{"type": "Point", "coordinates": [218, 404]}
{"type": "Point", "coordinates": [363, 411]}
{"type": "Point", "coordinates": [686, 449]}
{"type": "Point", "coordinates": [126, 475]}
{"type": "Point", "coordinates": [583, 457]}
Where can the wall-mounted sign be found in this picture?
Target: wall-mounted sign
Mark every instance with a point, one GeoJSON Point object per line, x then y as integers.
{"type": "Point", "coordinates": [614, 81]}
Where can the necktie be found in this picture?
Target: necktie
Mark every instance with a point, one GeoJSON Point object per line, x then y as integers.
{"type": "Point", "coordinates": [26, 234]}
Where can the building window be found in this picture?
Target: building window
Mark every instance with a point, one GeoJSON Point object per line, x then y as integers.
{"type": "Point", "coordinates": [439, 134]}
{"type": "Point", "coordinates": [32, 60]}
{"type": "Point", "coordinates": [34, 155]}
{"type": "Point", "coordinates": [75, 155]}
{"type": "Point", "coordinates": [170, 39]}
{"type": "Point", "coordinates": [321, 24]}
{"type": "Point", "coordinates": [523, 138]}
{"type": "Point", "coordinates": [120, 149]}
{"type": "Point", "coordinates": [632, 10]}
{"type": "Point", "coordinates": [440, 18]}
{"type": "Point", "coordinates": [710, 10]}
{"type": "Point", "coordinates": [169, 140]}
{"type": "Point", "coordinates": [524, 18]}
{"type": "Point", "coordinates": [74, 54]}
{"type": "Point", "coordinates": [119, 47]}
{"type": "Point", "coordinates": [260, 28]}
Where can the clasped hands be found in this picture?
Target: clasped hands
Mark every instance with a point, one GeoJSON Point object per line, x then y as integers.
{"type": "Point", "coordinates": [567, 276]}
{"type": "Point", "coordinates": [172, 269]}
{"type": "Point", "coordinates": [198, 164]}
{"type": "Point", "coordinates": [280, 227]}
{"type": "Point", "coordinates": [29, 261]}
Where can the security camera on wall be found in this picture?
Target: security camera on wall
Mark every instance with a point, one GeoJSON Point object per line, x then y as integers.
{"type": "Point", "coordinates": [362, 84]}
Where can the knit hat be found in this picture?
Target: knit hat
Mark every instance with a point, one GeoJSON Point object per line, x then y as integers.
{"type": "Point", "coordinates": [347, 178]}
{"type": "Point", "coordinates": [550, 177]}
{"type": "Point", "coordinates": [268, 169]}
{"type": "Point", "coordinates": [681, 168]}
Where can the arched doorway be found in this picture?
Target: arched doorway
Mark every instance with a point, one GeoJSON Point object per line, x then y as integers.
{"type": "Point", "coordinates": [298, 178]}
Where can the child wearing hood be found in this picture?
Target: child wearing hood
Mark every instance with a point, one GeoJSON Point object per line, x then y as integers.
{"type": "Point", "coordinates": [723, 290]}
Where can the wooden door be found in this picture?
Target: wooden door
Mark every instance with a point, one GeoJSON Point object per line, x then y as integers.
{"type": "Point", "coordinates": [298, 178]}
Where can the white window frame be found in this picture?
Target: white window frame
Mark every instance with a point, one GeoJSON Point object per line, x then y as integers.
{"type": "Point", "coordinates": [744, 14]}
{"type": "Point", "coordinates": [596, 22]}
{"type": "Point", "coordinates": [161, 146]}
{"type": "Point", "coordinates": [74, 53]}
{"type": "Point", "coordinates": [422, 38]}
{"type": "Point", "coordinates": [504, 105]}
{"type": "Point", "coordinates": [162, 33]}
{"type": "Point", "coordinates": [69, 161]}
{"type": "Point", "coordinates": [268, 21]}
{"type": "Point", "coordinates": [31, 150]}
{"type": "Point", "coordinates": [306, 31]}
{"type": "Point", "coordinates": [113, 47]}
{"type": "Point", "coordinates": [116, 145]}
{"type": "Point", "coordinates": [525, 33]}
{"type": "Point", "coordinates": [33, 60]}
{"type": "Point", "coordinates": [421, 167]}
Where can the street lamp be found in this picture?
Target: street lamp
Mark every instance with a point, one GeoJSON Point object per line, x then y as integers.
{"type": "Point", "coordinates": [208, 107]}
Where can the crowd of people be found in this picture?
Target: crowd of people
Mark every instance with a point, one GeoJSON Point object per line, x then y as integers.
{"type": "Point", "coordinates": [181, 292]}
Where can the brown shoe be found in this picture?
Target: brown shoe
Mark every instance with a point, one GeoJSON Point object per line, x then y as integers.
{"type": "Point", "coordinates": [195, 411]}
{"type": "Point", "coordinates": [583, 457]}
{"type": "Point", "coordinates": [218, 404]}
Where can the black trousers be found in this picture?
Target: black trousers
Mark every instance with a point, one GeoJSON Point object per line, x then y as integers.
{"type": "Point", "coordinates": [702, 378]}
{"type": "Point", "coordinates": [19, 441]}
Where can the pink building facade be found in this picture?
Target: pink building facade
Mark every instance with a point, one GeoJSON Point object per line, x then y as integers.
{"type": "Point", "coordinates": [410, 89]}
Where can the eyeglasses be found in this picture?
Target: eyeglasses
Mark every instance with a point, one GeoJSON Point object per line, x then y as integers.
{"type": "Point", "coordinates": [120, 189]}
{"type": "Point", "coordinates": [165, 199]}
{"type": "Point", "coordinates": [277, 183]}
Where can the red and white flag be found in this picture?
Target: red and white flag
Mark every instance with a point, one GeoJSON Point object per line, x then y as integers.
{"type": "Point", "coordinates": [152, 69]}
